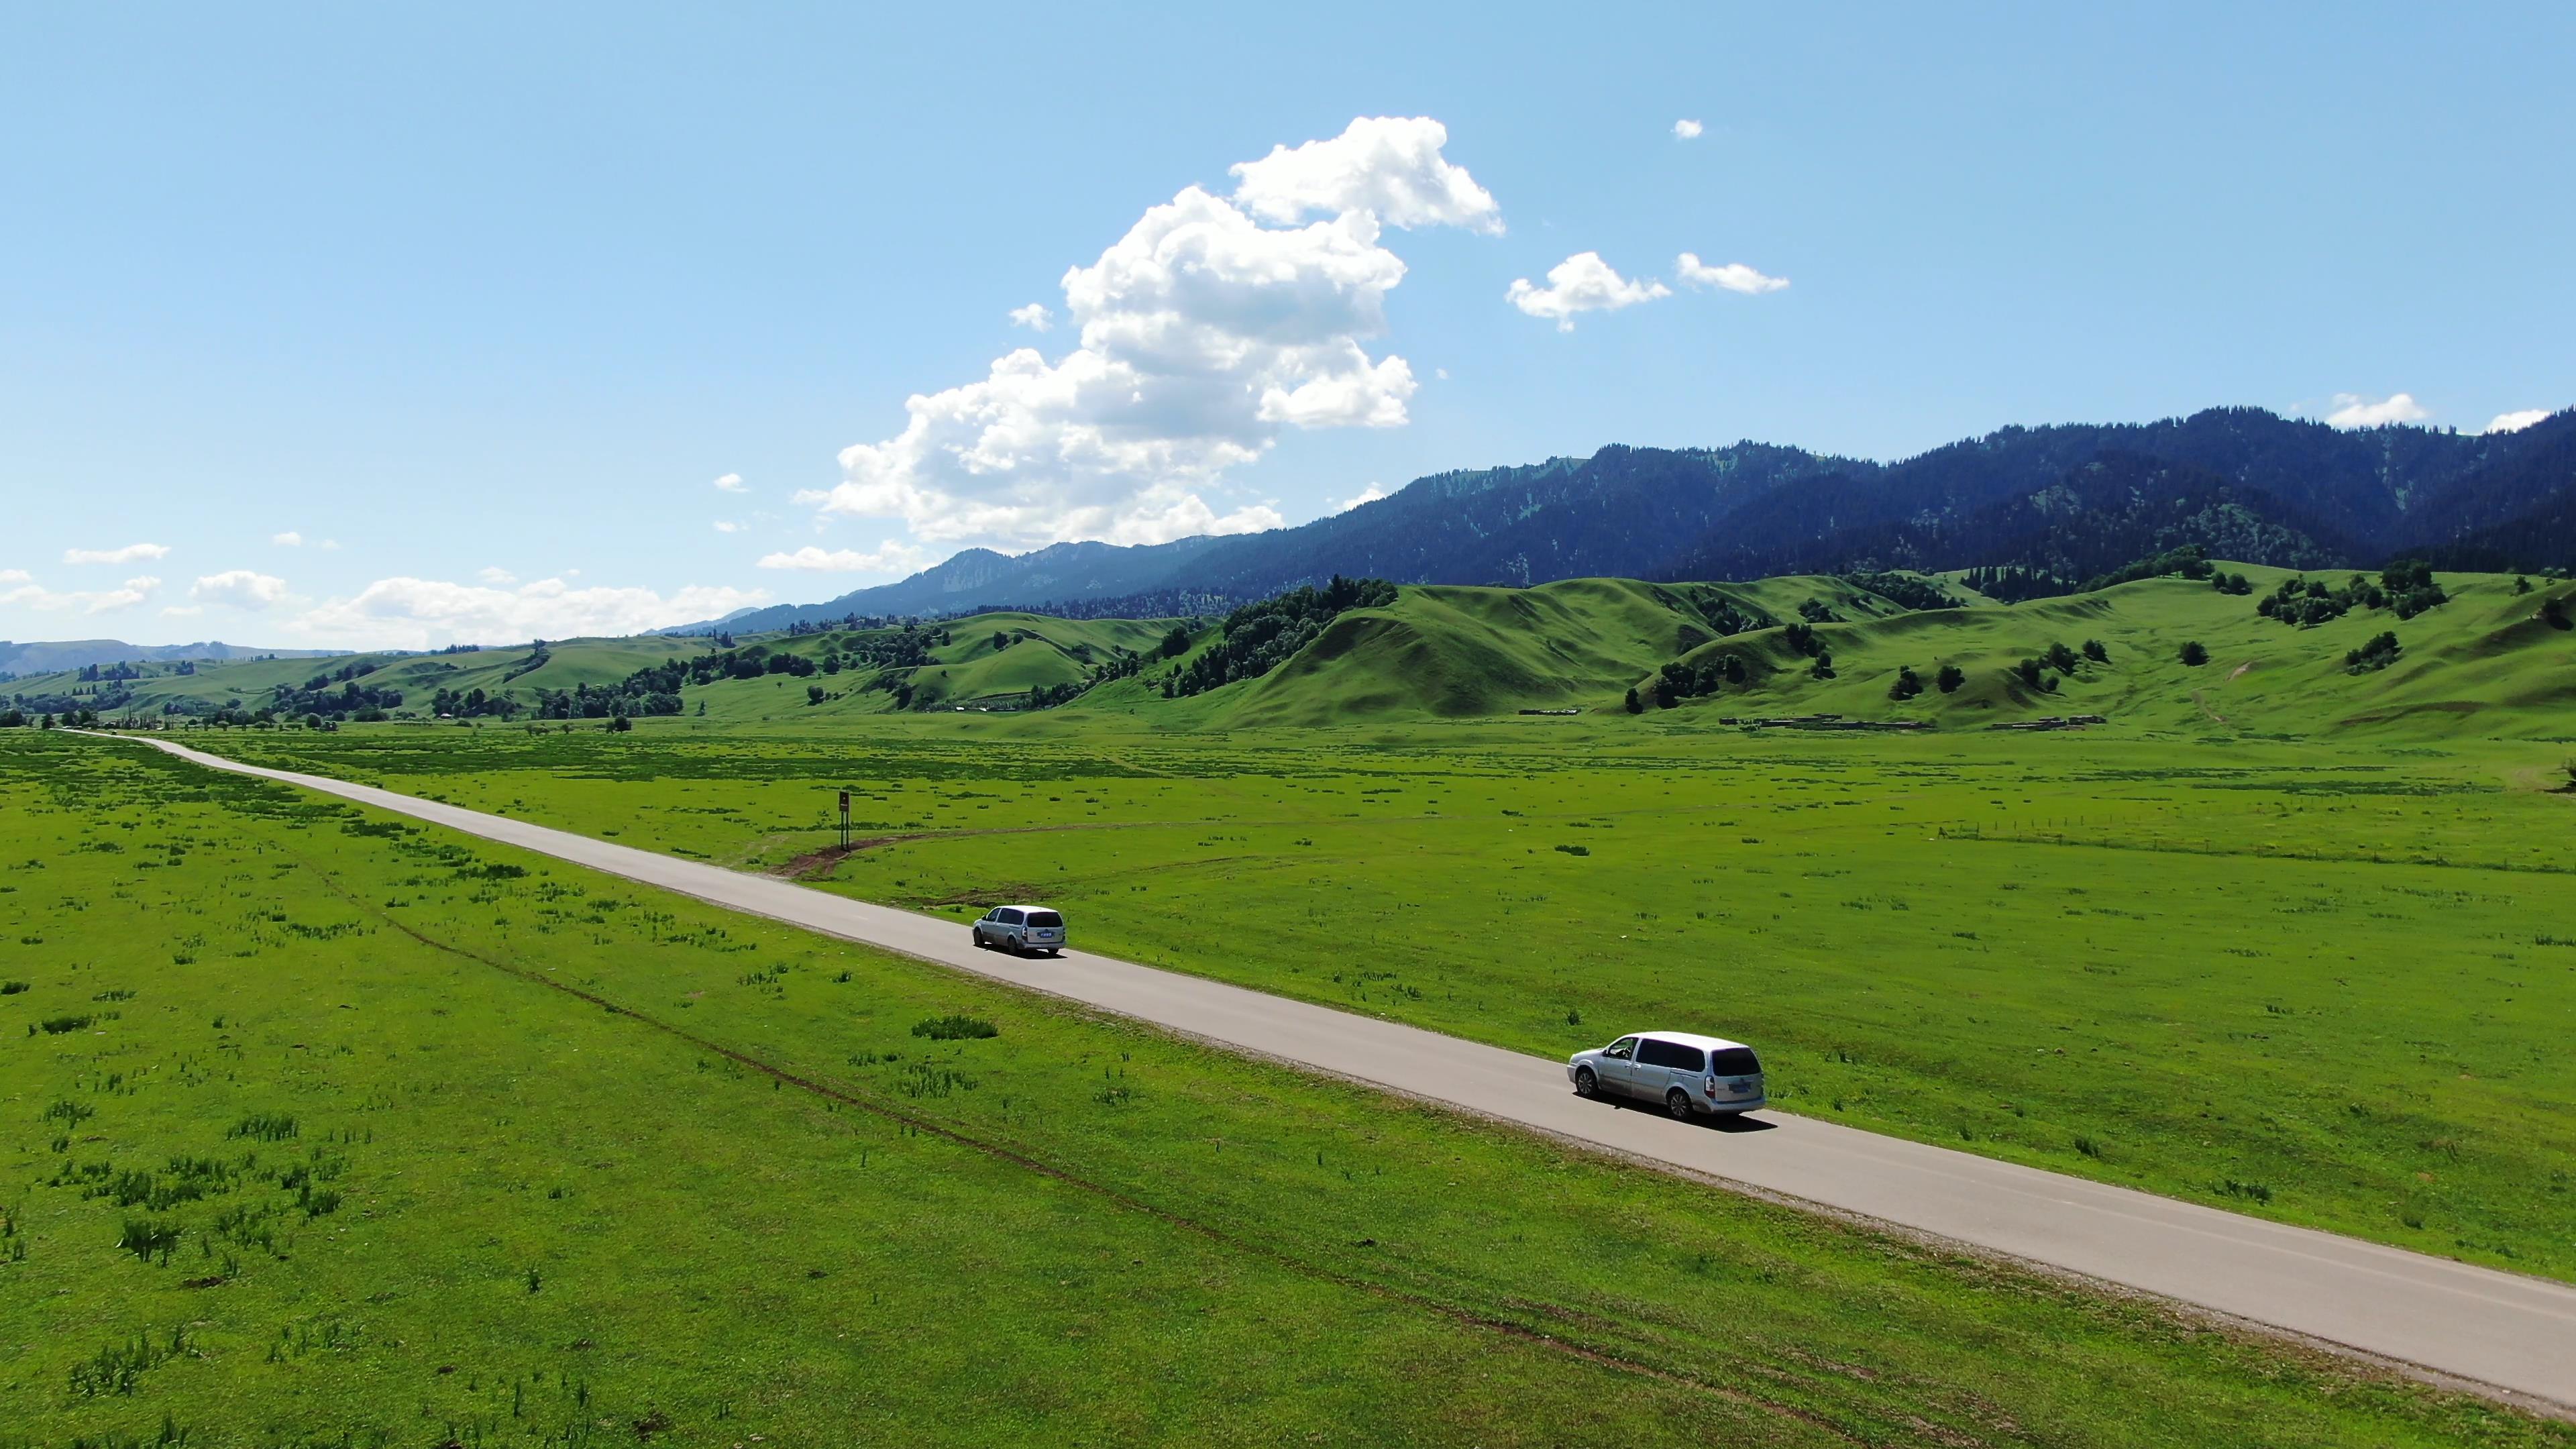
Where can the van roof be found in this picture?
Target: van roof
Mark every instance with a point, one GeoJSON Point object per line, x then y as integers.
{"type": "Point", "coordinates": [1021, 906]}
{"type": "Point", "coordinates": [1704, 1043]}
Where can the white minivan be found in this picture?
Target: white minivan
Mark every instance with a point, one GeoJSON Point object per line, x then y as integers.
{"type": "Point", "coordinates": [1021, 929]}
{"type": "Point", "coordinates": [1687, 1074]}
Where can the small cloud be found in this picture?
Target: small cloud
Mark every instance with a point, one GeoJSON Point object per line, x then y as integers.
{"type": "Point", "coordinates": [499, 578]}
{"type": "Point", "coordinates": [26, 591]}
{"type": "Point", "coordinates": [1732, 277]}
{"type": "Point", "coordinates": [1441, 373]}
{"type": "Point", "coordinates": [732, 483]}
{"type": "Point", "coordinates": [288, 539]}
{"type": "Point", "coordinates": [240, 588]}
{"type": "Point", "coordinates": [1370, 494]}
{"type": "Point", "coordinates": [2515, 422]}
{"type": "Point", "coordinates": [2352, 410]}
{"type": "Point", "coordinates": [131, 553]}
{"type": "Point", "coordinates": [1687, 130]}
{"type": "Point", "coordinates": [722, 526]}
{"type": "Point", "coordinates": [1581, 283]}
{"type": "Point", "coordinates": [183, 611]}
{"type": "Point", "coordinates": [1034, 317]}
{"type": "Point", "coordinates": [892, 557]}
{"type": "Point", "coordinates": [328, 543]}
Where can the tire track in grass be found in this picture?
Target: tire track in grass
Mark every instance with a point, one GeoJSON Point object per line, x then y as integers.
{"type": "Point", "coordinates": [1454, 1313]}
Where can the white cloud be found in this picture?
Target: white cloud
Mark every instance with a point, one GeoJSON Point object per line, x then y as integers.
{"type": "Point", "coordinates": [498, 577]}
{"type": "Point", "coordinates": [29, 594]}
{"type": "Point", "coordinates": [1733, 276]}
{"type": "Point", "coordinates": [183, 611]}
{"type": "Point", "coordinates": [1387, 166]}
{"type": "Point", "coordinates": [1370, 494]}
{"type": "Point", "coordinates": [1034, 317]}
{"type": "Point", "coordinates": [408, 613]}
{"type": "Point", "coordinates": [2352, 410]}
{"type": "Point", "coordinates": [892, 557]}
{"type": "Point", "coordinates": [328, 543]}
{"type": "Point", "coordinates": [1687, 130]}
{"type": "Point", "coordinates": [2515, 422]}
{"type": "Point", "coordinates": [723, 526]}
{"type": "Point", "coordinates": [1203, 334]}
{"type": "Point", "coordinates": [240, 588]}
{"type": "Point", "coordinates": [288, 539]}
{"type": "Point", "coordinates": [732, 483]}
{"type": "Point", "coordinates": [1581, 283]}
{"type": "Point", "coordinates": [131, 553]}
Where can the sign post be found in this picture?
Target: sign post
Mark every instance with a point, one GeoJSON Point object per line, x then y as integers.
{"type": "Point", "coordinates": [845, 820]}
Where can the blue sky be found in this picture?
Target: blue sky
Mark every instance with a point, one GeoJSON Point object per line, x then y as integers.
{"type": "Point", "coordinates": [476, 305]}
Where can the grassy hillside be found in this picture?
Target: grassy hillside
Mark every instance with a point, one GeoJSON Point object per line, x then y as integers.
{"type": "Point", "coordinates": [2490, 661]}
{"type": "Point", "coordinates": [2486, 662]}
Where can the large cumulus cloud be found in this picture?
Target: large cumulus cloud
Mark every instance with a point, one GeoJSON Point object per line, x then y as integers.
{"type": "Point", "coordinates": [1212, 325]}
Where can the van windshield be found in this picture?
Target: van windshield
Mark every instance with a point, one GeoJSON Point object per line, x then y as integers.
{"type": "Point", "coordinates": [1734, 1062]}
{"type": "Point", "coordinates": [1045, 918]}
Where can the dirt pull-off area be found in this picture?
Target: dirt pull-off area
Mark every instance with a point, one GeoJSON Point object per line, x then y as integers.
{"type": "Point", "coordinates": [818, 864]}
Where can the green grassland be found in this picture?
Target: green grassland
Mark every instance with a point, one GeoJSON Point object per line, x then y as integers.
{"type": "Point", "coordinates": [2322, 986]}
{"type": "Point", "coordinates": [319, 1127]}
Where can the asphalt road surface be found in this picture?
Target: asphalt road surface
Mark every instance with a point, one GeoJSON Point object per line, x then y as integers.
{"type": "Point", "coordinates": [2493, 1328]}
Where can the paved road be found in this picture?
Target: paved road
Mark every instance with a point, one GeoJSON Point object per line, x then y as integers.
{"type": "Point", "coordinates": [2510, 1332]}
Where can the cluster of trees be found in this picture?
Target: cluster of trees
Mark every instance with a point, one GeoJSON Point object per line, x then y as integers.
{"type": "Point", "coordinates": [1260, 637]}
{"type": "Point", "coordinates": [1803, 637]}
{"type": "Point", "coordinates": [2406, 587]}
{"type": "Point", "coordinates": [364, 702]}
{"type": "Point", "coordinates": [2376, 655]}
{"type": "Point", "coordinates": [1907, 589]}
{"type": "Point", "coordinates": [2190, 561]}
{"type": "Point", "coordinates": [2227, 583]}
{"type": "Point", "coordinates": [1681, 680]}
{"type": "Point", "coordinates": [97, 673]}
{"type": "Point", "coordinates": [1909, 684]}
{"type": "Point", "coordinates": [2016, 585]}
{"type": "Point", "coordinates": [1817, 611]}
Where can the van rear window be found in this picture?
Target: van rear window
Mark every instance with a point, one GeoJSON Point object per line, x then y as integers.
{"type": "Point", "coordinates": [1656, 1053]}
{"type": "Point", "coordinates": [1734, 1062]}
{"type": "Point", "coordinates": [1045, 918]}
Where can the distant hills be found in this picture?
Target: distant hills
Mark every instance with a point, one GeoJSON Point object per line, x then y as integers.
{"type": "Point", "coordinates": [2075, 500]}
{"type": "Point", "coordinates": [81, 653]}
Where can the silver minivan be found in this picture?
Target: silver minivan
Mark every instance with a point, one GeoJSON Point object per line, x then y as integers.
{"type": "Point", "coordinates": [1687, 1074]}
{"type": "Point", "coordinates": [1021, 929]}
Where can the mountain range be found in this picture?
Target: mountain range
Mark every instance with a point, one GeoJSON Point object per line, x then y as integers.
{"type": "Point", "coordinates": [45, 658]}
{"type": "Point", "coordinates": [2074, 500]}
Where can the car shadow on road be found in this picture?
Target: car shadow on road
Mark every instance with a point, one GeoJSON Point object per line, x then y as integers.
{"type": "Point", "coordinates": [1714, 1122]}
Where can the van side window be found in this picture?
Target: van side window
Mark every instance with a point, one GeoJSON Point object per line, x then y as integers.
{"type": "Point", "coordinates": [1007, 917]}
{"type": "Point", "coordinates": [1656, 1053]}
{"type": "Point", "coordinates": [1620, 1048]}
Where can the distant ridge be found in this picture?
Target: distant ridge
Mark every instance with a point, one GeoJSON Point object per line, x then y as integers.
{"type": "Point", "coordinates": [2072, 499]}
{"type": "Point", "coordinates": [45, 658]}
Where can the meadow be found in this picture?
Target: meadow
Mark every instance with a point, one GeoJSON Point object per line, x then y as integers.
{"type": "Point", "coordinates": [324, 1128]}
{"type": "Point", "coordinates": [2319, 983]}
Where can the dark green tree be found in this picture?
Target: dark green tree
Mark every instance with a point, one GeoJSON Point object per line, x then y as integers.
{"type": "Point", "coordinates": [1635, 705]}
{"type": "Point", "coordinates": [2194, 655]}
{"type": "Point", "coordinates": [1908, 684]}
{"type": "Point", "coordinates": [2097, 651]}
{"type": "Point", "coordinates": [1950, 678]}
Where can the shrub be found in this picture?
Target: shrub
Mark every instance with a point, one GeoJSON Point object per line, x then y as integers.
{"type": "Point", "coordinates": [2097, 651]}
{"type": "Point", "coordinates": [1635, 705]}
{"type": "Point", "coordinates": [1575, 849]}
{"type": "Point", "coordinates": [2194, 655]}
{"type": "Point", "coordinates": [2376, 655]}
{"type": "Point", "coordinates": [264, 1127]}
{"type": "Point", "coordinates": [1950, 678]}
{"type": "Point", "coordinates": [57, 1025]}
{"type": "Point", "coordinates": [2060, 658]}
{"type": "Point", "coordinates": [1908, 684]}
{"type": "Point", "coordinates": [955, 1028]}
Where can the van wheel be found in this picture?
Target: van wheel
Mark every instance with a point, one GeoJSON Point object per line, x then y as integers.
{"type": "Point", "coordinates": [1677, 1102]}
{"type": "Point", "coordinates": [1585, 1083]}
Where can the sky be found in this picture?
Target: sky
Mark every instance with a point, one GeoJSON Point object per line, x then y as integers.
{"type": "Point", "coordinates": [396, 326]}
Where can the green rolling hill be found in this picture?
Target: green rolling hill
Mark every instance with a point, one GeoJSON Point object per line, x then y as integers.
{"type": "Point", "coordinates": [2498, 658]}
